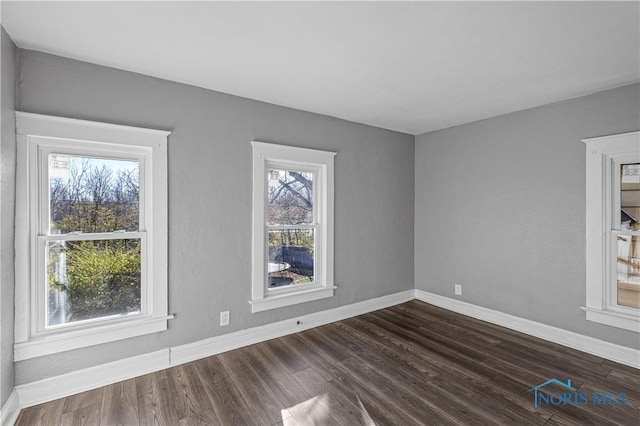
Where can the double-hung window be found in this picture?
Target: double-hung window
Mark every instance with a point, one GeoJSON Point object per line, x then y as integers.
{"type": "Point", "coordinates": [92, 233]}
{"type": "Point", "coordinates": [292, 225]}
{"type": "Point", "coordinates": [613, 230]}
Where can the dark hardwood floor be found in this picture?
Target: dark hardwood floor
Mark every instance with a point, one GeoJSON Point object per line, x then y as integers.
{"type": "Point", "coordinates": [409, 364]}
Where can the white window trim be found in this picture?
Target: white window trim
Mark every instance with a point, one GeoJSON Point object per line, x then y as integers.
{"type": "Point", "coordinates": [34, 133]}
{"type": "Point", "coordinates": [602, 153]}
{"type": "Point", "coordinates": [310, 159]}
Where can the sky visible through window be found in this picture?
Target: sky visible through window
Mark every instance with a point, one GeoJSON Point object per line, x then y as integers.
{"type": "Point", "coordinates": [60, 165]}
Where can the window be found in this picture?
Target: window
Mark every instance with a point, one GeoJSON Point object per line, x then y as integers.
{"type": "Point", "coordinates": [91, 235]}
{"type": "Point", "coordinates": [613, 230]}
{"type": "Point", "coordinates": [292, 225]}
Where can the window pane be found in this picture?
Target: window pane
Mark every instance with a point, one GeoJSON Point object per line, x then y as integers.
{"type": "Point", "coordinates": [92, 279]}
{"type": "Point", "coordinates": [628, 271]}
{"type": "Point", "coordinates": [630, 196]}
{"type": "Point", "coordinates": [291, 257]}
{"type": "Point", "coordinates": [88, 194]}
{"type": "Point", "coordinates": [290, 197]}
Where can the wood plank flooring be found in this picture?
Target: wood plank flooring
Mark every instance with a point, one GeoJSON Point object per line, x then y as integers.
{"type": "Point", "coordinates": [410, 364]}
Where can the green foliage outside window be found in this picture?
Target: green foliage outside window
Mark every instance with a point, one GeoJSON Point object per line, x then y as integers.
{"type": "Point", "coordinates": [103, 278]}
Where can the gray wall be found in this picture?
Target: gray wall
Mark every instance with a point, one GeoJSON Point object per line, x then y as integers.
{"type": "Point", "coordinates": [500, 209]}
{"type": "Point", "coordinates": [210, 196]}
{"type": "Point", "coordinates": [7, 203]}
{"type": "Point", "coordinates": [499, 204]}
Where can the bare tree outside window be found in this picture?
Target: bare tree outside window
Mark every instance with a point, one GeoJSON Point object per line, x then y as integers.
{"type": "Point", "coordinates": [291, 249]}
{"type": "Point", "coordinates": [290, 197]}
{"type": "Point", "coordinates": [94, 278]}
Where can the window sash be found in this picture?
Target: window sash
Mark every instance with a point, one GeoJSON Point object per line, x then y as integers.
{"type": "Point", "coordinates": [285, 227]}
{"type": "Point", "coordinates": [72, 236]}
{"type": "Point", "coordinates": [613, 184]}
{"type": "Point", "coordinates": [611, 282]}
{"type": "Point", "coordinates": [317, 258]}
{"type": "Point", "coordinates": [293, 166]}
{"type": "Point", "coordinates": [47, 147]}
{"type": "Point", "coordinates": [39, 319]}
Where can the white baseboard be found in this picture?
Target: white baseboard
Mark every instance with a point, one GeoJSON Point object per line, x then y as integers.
{"type": "Point", "coordinates": [10, 410]}
{"type": "Point", "coordinates": [591, 345]}
{"type": "Point", "coordinates": [91, 378]}
{"type": "Point", "coordinates": [94, 377]}
{"type": "Point", "coordinates": [34, 393]}
{"type": "Point", "coordinates": [238, 339]}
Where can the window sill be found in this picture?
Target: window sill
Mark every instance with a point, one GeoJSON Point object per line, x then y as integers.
{"type": "Point", "coordinates": [614, 319]}
{"type": "Point", "coordinates": [282, 300]}
{"type": "Point", "coordinates": [94, 335]}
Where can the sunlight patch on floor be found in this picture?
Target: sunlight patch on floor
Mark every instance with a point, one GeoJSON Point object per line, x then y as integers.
{"type": "Point", "coordinates": [309, 412]}
{"type": "Point", "coordinates": [316, 411]}
{"type": "Point", "coordinates": [366, 418]}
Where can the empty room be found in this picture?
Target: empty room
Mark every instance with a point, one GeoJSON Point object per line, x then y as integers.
{"type": "Point", "coordinates": [319, 213]}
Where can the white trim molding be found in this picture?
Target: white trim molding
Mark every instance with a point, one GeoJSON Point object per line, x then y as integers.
{"type": "Point", "coordinates": [238, 339]}
{"type": "Point", "coordinates": [10, 410]}
{"type": "Point", "coordinates": [39, 137]}
{"type": "Point", "coordinates": [51, 388]}
{"type": "Point", "coordinates": [604, 155]}
{"type": "Point", "coordinates": [615, 319]}
{"type": "Point", "coordinates": [101, 375]}
{"type": "Point", "coordinates": [292, 298]}
{"type": "Point", "coordinates": [591, 345]}
{"type": "Point", "coordinates": [98, 334]}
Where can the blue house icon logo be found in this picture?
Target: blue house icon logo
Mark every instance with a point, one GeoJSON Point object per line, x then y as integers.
{"type": "Point", "coordinates": [537, 389]}
{"type": "Point", "coordinates": [568, 395]}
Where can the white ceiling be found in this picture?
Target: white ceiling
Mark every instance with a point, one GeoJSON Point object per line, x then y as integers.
{"type": "Point", "coordinates": [412, 67]}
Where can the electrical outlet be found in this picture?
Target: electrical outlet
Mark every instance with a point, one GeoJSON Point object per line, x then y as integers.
{"type": "Point", "coordinates": [224, 318]}
{"type": "Point", "coordinates": [457, 288]}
